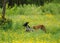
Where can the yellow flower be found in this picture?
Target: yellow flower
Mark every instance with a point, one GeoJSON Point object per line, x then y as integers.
{"type": "Point", "coordinates": [59, 40]}
{"type": "Point", "coordinates": [49, 15]}
{"type": "Point", "coordinates": [39, 42]}
{"type": "Point", "coordinates": [42, 41]}
{"type": "Point", "coordinates": [0, 16]}
{"type": "Point", "coordinates": [16, 41]}
{"type": "Point", "coordinates": [30, 40]}
{"type": "Point", "coordinates": [2, 42]}
{"type": "Point", "coordinates": [5, 33]}
{"type": "Point", "coordinates": [54, 42]}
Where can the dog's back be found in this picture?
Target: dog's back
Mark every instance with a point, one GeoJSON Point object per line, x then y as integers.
{"type": "Point", "coordinates": [38, 26]}
{"type": "Point", "coordinates": [42, 27]}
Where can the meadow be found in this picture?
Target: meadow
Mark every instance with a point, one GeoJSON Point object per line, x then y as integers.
{"type": "Point", "coordinates": [47, 15]}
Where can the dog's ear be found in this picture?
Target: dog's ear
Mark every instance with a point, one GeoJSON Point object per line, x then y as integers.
{"type": "Point", "coordinates": [25, 24]}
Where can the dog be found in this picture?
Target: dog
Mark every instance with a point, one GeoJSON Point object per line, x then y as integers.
{"type": "Point", "coordinates": [28, 28]}
{"type": "Point", "coordinates": [42, 27]}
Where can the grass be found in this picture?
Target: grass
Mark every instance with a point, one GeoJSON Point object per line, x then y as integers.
{"type": "Point", "coordinates": [50, 8]}
{"type": "Point", "coordinates": [18, 35]}
{"type": "Point", "coordinates": [46, 15]}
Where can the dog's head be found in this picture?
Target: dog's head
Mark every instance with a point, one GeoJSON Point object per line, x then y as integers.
{"type": "Point", "coordinates": [25, 24]}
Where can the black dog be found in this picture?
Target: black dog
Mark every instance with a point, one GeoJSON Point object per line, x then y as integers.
{"type": "Point", "coordinates": [28, 29]}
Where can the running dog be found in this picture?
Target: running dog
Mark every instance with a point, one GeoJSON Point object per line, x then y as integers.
{"type": "Point", "coordinates": [42, 27]}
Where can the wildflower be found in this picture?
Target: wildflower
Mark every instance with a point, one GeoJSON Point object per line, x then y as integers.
{"type": "Point", "coordinates": [0, 16]}
{"type": "Point", "coordinates": [49, 15]}
{"type": "Point", "coordinates": [54, 42]}
{"type": "Point", "coordinates": [59, 40]}
{"type": "Point", "coordinates": [5, 33]}
{"type": "Point", "coordinates": [16, 41]}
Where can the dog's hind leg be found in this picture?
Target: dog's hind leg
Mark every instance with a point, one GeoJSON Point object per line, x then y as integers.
{"type": "Point", "coordinates": [43, 28]}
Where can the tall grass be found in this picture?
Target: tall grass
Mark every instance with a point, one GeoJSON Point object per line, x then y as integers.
{"type": "Point", "coordinates": [50, 8]}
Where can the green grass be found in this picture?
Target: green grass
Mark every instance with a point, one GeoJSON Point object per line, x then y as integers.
{"type": "Point", "coordinates": [50, 8]}
{"type": "Point", "coordinates": [17, 33]}
{"type": "Point", "coordinates": [47, 15]}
